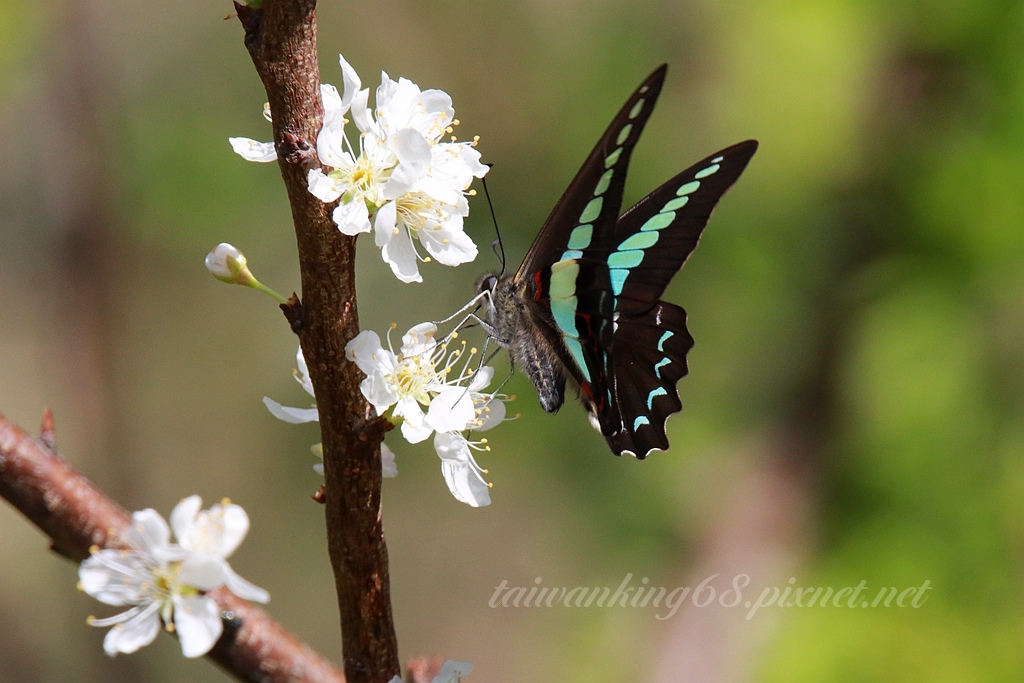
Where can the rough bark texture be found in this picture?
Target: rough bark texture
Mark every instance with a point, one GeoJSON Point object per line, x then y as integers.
{"type": "Point", "coordinates": [281, 38]}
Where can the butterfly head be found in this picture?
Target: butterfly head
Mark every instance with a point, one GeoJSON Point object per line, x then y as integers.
{"type": "Point", "coordinates": [486, 283]}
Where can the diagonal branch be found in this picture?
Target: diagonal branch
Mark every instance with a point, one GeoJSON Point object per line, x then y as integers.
{"type": "Point", "coordinates": [281, 39]}
{"type": "Point", "coordinates": [76, 516]}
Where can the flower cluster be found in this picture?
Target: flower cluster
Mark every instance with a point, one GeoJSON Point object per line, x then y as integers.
{"type": "Point", "coordinates": [400, 180]}
{"type": "Point", "coordinates": [404, 178]}
{"type": "Point", "coordinates": [431, 394]}
{"type": "Point", "coordinates": [164, 582]}
{"type": "Point", "coordinates": [432, 389]}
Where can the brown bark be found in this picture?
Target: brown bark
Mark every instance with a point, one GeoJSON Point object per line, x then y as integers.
{"type": "Point", "coordinates": [281, 39]}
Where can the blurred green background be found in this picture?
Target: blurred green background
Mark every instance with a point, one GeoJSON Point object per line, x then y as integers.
{"type": "Point", "coordinates": [854, 408]}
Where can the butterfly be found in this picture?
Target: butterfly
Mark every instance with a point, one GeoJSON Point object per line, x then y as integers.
{"type": "Point", "coordinates": [585, 304]}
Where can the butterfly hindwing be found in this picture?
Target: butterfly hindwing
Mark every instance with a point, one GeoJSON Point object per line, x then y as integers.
{"type": "Point", "coordinates": [649, 358]}
{"type": "Point", "coordinates": [631, 364]}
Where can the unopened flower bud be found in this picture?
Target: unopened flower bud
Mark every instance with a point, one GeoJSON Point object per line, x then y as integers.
{"type": "Point", "coordinates": [227, 264]}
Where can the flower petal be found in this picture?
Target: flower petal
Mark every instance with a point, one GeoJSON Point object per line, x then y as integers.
{"type": "Point", "coordinates": [204, 572]}
{"type": "Point", "coordinates": [352, 217]}
{"type": "Point", "coordinates": [303, 375]}
{"type": "Point", "coordinates": [150, 534]}
{"type": "Point", "coordinates": [481, 378]}
{"type": "Point", "coordinates": [401, 256]}
{"type": "Point", "coordinates": [116, 577]}
{"type": "Point", "coordinates": [128, 637]}
{"type": "Point", "coordinates": [451, 410]}
{"type": "Point", "coordinates": [361, 112]}
{"type": "Point", "coordinates": [449, 247]}
{"type": "Point", "coordinates": [245, 590]}
{"type": "Point", "coordinates": [490, 412]}
{"type": "Point", "coordinates": [216, 532]}
{"type": "Point", "coordinates": [198, 624]}
{"type": "Point", "coordinates": [367, 352]}
{"type": "Point", "coordinates": [413, 153]}
{"type": "Point", "coordinates": [232, 524]}
{"type": "Point", "coordinates": [414, 427]}
{"type": "Point", "coordinates": [453, 672]}
{"type": "Point", "coordinates": [385, 224]}
{"type": "Point", "coordinates": [350, 81]}
{"type": "Point", "coordinates": [251, 150]}
{"type": "Point", "coordinates": [334, 109]}
{"type": "Point", "coordinates": [381, 393]}
{"type": "Point", "coordinates": [465, 484]}
{"type": "Point", "coordinates": [183, 516]}
{"type": "Point", "coordinates": [291, 415]}
{"type": "Point", "coordinates": [322, 186]}
{"type": "Point", "coordinates": [419, 340]}
{"type": "Point", "coordinates": [451, 447]}
{"type": "Point", "coordinates": [388, 468]}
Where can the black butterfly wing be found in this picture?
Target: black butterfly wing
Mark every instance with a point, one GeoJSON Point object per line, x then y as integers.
{"type": "Point", "coordinates": [591, 203]}
{"type": "Point", "coordinates": [636, 340]}
{"type": "Point", "coordinates": [662, 229]}
{"type": "Point", "coordinates": [592, 280]}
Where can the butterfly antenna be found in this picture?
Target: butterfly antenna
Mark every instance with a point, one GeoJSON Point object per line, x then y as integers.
{"type": "Point", "coordinates": [497, 245]}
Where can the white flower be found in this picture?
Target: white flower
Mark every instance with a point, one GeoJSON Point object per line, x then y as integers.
{"type": "Point", "coordinates": [417, 381]}
{"type": "Point", "coordinates": [162, 582]}
{"type": "Point", "coordinates": [214, 535]}
{"type": "Point", "coordinates": [227, 264]}
{"type": "Point", "coordinates": [265, 152]}
{"type": "Point", "coordinates": [437, 226]}
{"type": "Point", "coordinates": [432, 399]}
{"type": "Point", "coordinates": [453, 672]}
{"type": "Point", "coordinates": [401, 181]}
{"type": "Point", "coordinates": [252, 150]}
{"type": "Point", "coordinates": [287, 413]}
{"type": "Point", "coordinates": [300, 415]}
{"type": "Point", "coordinates": [387, 462]}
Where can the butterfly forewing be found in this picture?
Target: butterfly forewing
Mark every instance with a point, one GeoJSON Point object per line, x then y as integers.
{"type": "Point", "coordinates": [592, 201]}
{"type": "Point", "coordinates": [663, 228]}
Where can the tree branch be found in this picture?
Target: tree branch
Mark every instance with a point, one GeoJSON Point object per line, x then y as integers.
{"type": "Point", "coordinates": [76, 516]}
{"type": "Point", "coordinates": [281, 39]}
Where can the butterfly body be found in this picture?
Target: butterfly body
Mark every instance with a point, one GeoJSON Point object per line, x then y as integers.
{"type": "Point", "coordinates": [585, 308]}
{"type": "Point", "coordinates": [532, 347]}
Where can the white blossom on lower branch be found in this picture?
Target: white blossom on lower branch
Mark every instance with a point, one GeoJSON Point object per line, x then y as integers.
{"type": "Point", "coordinates": [163, 582]}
